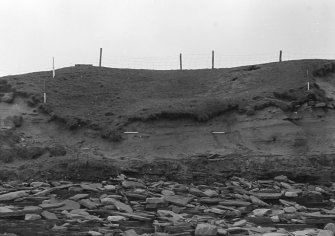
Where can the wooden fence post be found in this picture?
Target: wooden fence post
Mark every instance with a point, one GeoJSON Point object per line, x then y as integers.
{"type": "Point", "coordinates": [100, 57]}
{"type": "Point", "coordinates": [212, 59]}
{"type": "Point", "coordinates": [181, 61]}
{"type": "Point", "coordinates": [280, 55]}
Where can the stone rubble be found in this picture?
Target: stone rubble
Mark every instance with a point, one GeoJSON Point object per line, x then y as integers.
{"type": "Point", "coordinates": [129, 206]}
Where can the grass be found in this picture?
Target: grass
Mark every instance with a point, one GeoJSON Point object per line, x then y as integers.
{"type": "Point", "coordinates": [202, 112]}
{"type": "Point", "coordinates": [107, 99]}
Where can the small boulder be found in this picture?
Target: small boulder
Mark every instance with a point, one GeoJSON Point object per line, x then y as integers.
{"type": "Point", "coordinates": [69, 205]}
{"type": "Point", "coordinates": [13, 195]}
{"type": "Point", "coordinates": [32, 209]}
{"type": "Point", "coordinates": [197, 192]}
{"type": "Point", "coordinates": [167, 192]}
{"type": "Point", "coordinates": [38, 184]}
{"type": "Point", "coordinates": [107, 201]}
{"type": "Point", "coordinates": [222, 232]}
{"type": "Point", "coordinates": [49, 215]}
{"type": "Point", "coordinates": [305, 232]}
{"type": "Point", "coordinates": [120, 206]}
{"type": "Point", "coordinates": [130, 232]}
{"type": "Point", "coordinates": [275, 219]}
{"type": "Point", "coordinates": [178, 200]}
{"type": "Point", "coordinates": [51, 205]}
{"type": "Point", "coordinates": [217, 211]}
{"type": "Point", "coordinates": [155, 200]}
{"type": "Point", "coordinates": [109, 187]}
{"type": "Point", "coordinates": [88, 204]}
{"type": "Point", "coordinates": [291, 194]}
{"type": "Point", "coordinates": [211, 193]}
{"type": "Point", "coordinates": [170, 215]}
{"type": "Point", "coordinates": [240, 223]}
{"type": "Point", "coordinates": [290, 209]}
{"type": "Point", "coordinates": [261, 211]}
{"type": "Point", "coordinates": [330, 227]}
{"type": "Point", "coordinates": [258, 202]}
{"type": "Point", "coordinates": [275, 234]}
{"type": "Point", "coordinates": [132, 184]}
{"type": "Point", "coordinates": [325, 233]}
{"type": "Point", "coordinates": [5, 209]}
{"type": "Point", "coordinates": [116, 218]}
{"type": "Point", "coordinates": [59, 228]}
{"type": "Point", "coordinates": [94, 233]}
{"type": "Point", "coordinates": [32, 217]}
{"type": "Point", "coordinates": [204, 229]}
{"type": "Point", "coordinates": [281, 178]}
{"type": "Point", "coordinates": [79, 196]}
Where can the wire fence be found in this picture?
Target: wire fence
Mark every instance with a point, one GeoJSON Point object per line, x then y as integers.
{"type": "Point", "coordinates": [189, 61]}
{"type": "Point", "coordinates": [204, 60]}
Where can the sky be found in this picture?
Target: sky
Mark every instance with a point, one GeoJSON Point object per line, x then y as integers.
{"type": "Point", "coordinates": [152, 33]}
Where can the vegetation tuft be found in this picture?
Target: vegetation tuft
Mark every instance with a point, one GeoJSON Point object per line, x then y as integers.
{"type": "Point", "coordinates": [324, 70]}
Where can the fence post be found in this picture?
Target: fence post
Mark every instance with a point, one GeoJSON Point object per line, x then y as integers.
{"type": "Point", "coordinates": [181, 61]}
{"type": "Point", "coordinates": [53, 68]}
{"type": "Point", "coordinates": [212, 59]}
{"type": "Point", "coordinates": [280, 55]}
{"type": "Point", "coordinates": [100, 57]}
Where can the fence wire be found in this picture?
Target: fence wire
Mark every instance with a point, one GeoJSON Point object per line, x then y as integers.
{"type": "Point", "coordinates": [204, 61]}
{"type": "Point", "coordinates": [189, 61]}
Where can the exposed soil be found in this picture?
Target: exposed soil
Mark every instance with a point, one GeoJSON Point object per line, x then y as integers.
{"type": "Point", "coordinates": [272, 124]}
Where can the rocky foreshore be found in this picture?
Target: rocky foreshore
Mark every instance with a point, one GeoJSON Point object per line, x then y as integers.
{"type": "Point", "coordinates": [129, 206]}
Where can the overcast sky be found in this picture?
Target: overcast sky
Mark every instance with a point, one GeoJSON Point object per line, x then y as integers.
{"type": "Point", "coordinates": [243, 31]}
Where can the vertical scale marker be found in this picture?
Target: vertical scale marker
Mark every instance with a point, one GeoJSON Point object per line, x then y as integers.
{"type": "Point", "coordinates": [181, 61]}
{"type": "Point", "coordinates": [53, 68]}
{"type": "Point", "coordinates": [44, 94]}
{"type": "Point", "coordinates": [307, 80]}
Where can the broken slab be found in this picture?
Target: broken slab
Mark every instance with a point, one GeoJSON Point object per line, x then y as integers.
{"type": "Point", "coordinates": [13, 195]}
{"type": "Point", "coordinates": [178, 200]}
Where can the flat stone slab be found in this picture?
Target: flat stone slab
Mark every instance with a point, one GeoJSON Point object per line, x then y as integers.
{"type": "Point", "coordinates": [79, 196]}
{"type": "Point", "coordinates": [49, 215]}
{"type": "Point", "coordinates": [268, 196]}
{"type": "Point", "coordinates": [178, 200]}
{"type": "Point", "coordinates": [51, 205]}
{"type": "Point", "coordinates": [234, 203]}
{"type": "Point", "coordinates": [132, 184]}
{"type": "Point", "coordinates": [13, 195]}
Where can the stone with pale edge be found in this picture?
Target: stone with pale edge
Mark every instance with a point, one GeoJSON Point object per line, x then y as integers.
{"type": "Point", "coordinates": [13, 195]}
{"type": "Point", "coordinates": [204, 229]}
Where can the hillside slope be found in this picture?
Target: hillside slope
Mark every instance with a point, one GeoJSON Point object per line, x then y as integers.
{"type": "Point", "coordinates": [269, 121]}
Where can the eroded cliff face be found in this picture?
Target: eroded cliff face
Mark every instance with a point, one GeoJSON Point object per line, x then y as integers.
{"type": "Point", "coordinates": [281, 130]}
{"type": "Point", "coordinates": [299, 144]}
{"type": "Point", "coordinates": [270, 142]}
